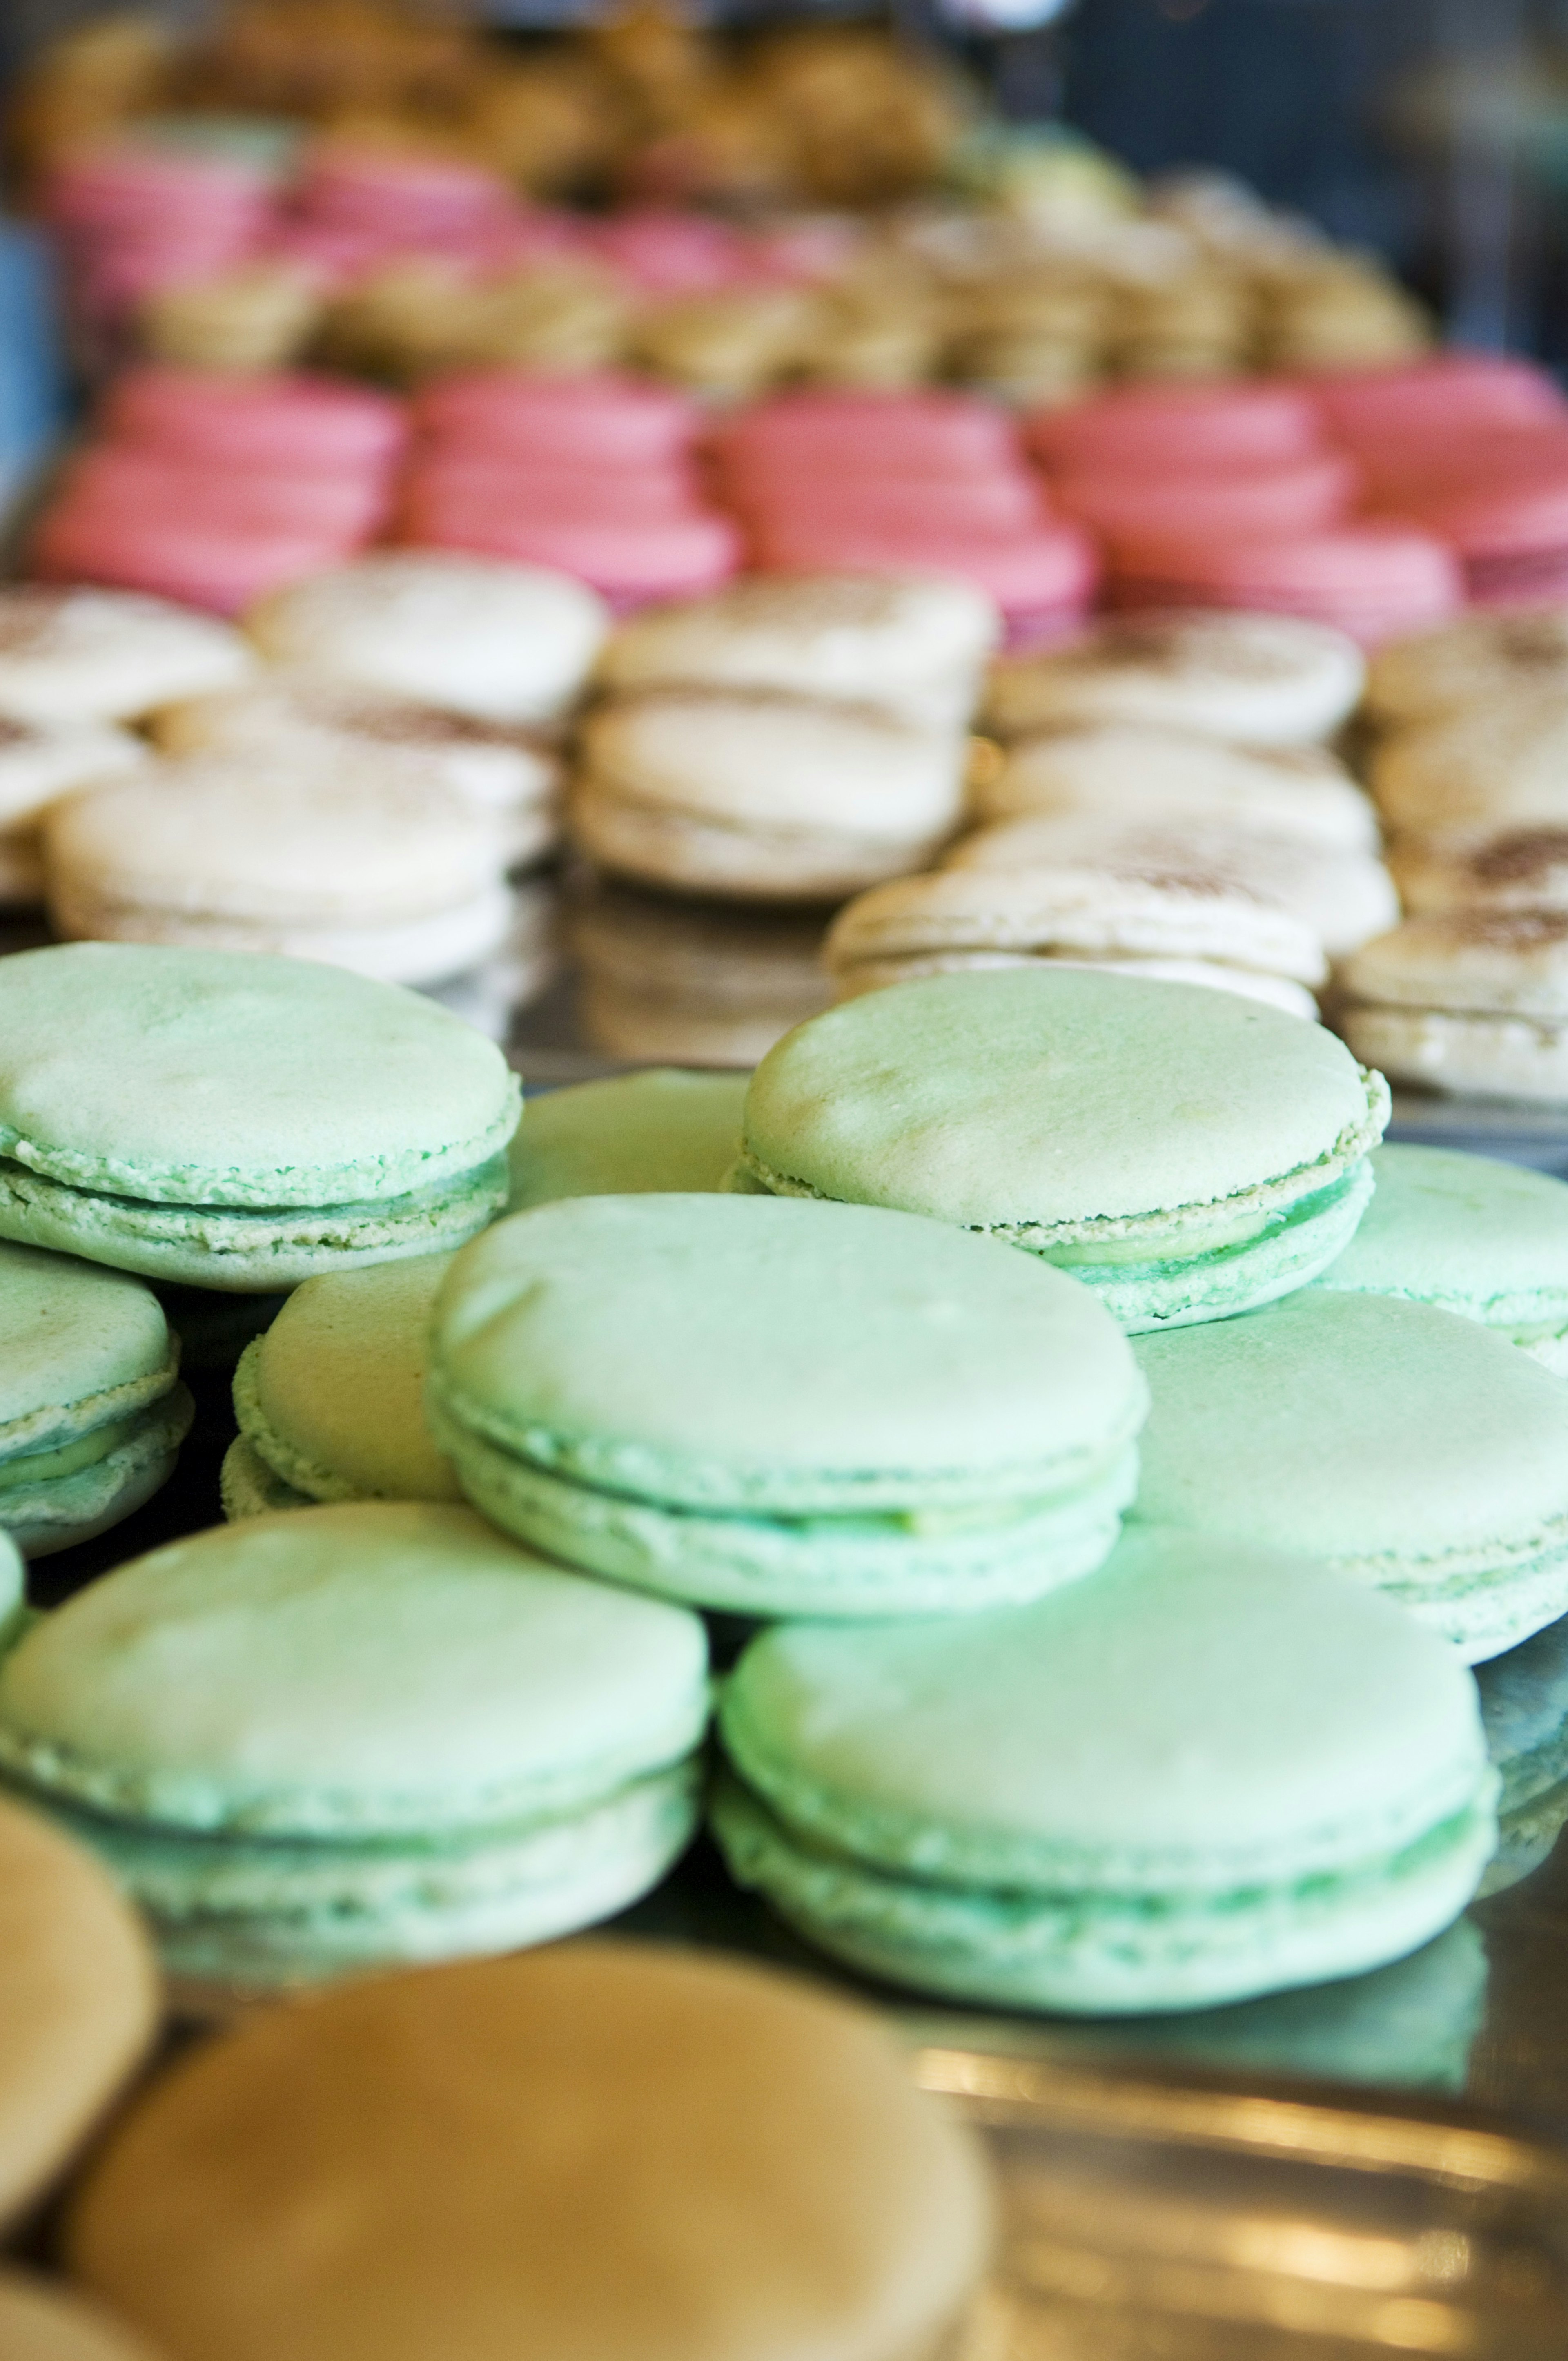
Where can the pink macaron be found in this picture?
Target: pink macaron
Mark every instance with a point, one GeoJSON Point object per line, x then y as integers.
{"type": "Point", "coordinates": [134, 481]}
{"type": "Point", "coordinates": [629, 560]}
{"type": "Point", "coordinates": [1370, 579]}
{"type": "Point", "coordinates": [1511, 536]}
{"type": "Point", "coordinates": [600, 418]}
{"type": "Point", "coordinates": [827, 432]}
{"type": "Point", "coordinates": [307, 424]}
{"type": "Point", "coordinates": [200, 561]}
{"type": "Point", "coordinates": [1180, 427]}
{"type": "Point", "coordinates": [418, 195]}
{"type": "Point", "coordinates": [671, 253]}
{"type": "Point", "coordinates": [441, 490]}
{"type": "Point", "coordinates": [1439, 401]}
{"type": "Point", "coordinates": [1007, 501]}
{"type": "Point", "coordinates": [1292, 497]}
{"type": "Point", "coordinates": [1040, 579]}
{"type": "Point", "coordinates": [123, 187]}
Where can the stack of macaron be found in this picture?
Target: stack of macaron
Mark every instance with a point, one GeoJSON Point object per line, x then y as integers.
{"type": "Point", "coordinates": [590, 473]}
{"type": "Point", "coordinates": [213, 488]}
{"type": "Point", "coordinates": [911, 483]}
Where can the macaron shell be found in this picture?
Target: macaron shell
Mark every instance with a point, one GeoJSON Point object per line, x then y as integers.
{"type": "Point", "coordinates": [663, 1129]}
{"type": "Point", "coordinates": [80, 1348]}
{"type": "Point", "coordinates": [1468, 1233]}
{"type": "Point", "coordinates": [70, 655]}
{"type": "Point", "coordinates": [53, 1513]}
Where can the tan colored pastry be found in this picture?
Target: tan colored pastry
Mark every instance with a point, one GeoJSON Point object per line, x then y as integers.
{"type": "Point", "coordinates": [666, 979]}
{"type": "Point", "coordinates": [259, 317]}
{"type": "Point", "coordinates": [733, 343]}
{"type": "Point", "coordinates": [1501, 764]}
{"type": "Point", "coordinates": [1513, 869]}
{"type": "Point", "coordinates": [1471, 661]}
{"type": "Point", "coordinates": [1471, 1002]}
{"type": "Point", "coordinates": [1270, 680]}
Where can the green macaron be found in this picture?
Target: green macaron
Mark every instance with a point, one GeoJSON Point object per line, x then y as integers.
{"type": "Point", "coordinates": [1408, 1447]}
{"type": "Point", "coordinates": [356, 1734]}
{"type": "Point", "coordinates": [330, 1401]}
{"type": "Point", "coordinates": [1472, 1235]}
{"type": "Point", "coordinates": [1207, 1772]}
{"type": "Point", "coordinates": [665, 1128]}
{"type": "Point", "coordinates": [92, 1415]}
{"type": "Point", "coordinates": [785, 1409]}
{"type": "Point", "coordinates": [1185, 1152]}
{"type": "Point", "coordinates": [1524, 1707]}
{"type": "Point", "coordinates": [234, 1120]}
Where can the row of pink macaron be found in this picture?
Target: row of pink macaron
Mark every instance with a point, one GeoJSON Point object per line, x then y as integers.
{"type": "Point", "coordinates": [213, 488]}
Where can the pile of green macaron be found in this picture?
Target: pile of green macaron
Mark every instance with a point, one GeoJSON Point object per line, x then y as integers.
{"type": "Point", "coordinates": [1116, 1457]}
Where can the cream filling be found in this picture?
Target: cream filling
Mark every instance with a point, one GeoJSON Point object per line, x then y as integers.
{"type": "Point", "coordinates": [68, 1458]}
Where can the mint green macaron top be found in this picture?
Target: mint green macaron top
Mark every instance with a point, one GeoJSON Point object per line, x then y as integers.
{"type": "Point", "coordinates": [1466, 1232]}
{"type": "Point", "coordinates": [1126, 1129]}
{"type": "Point", "coordinates": [348, 1671]}
{"type": "Point", "coordinates": [81, 1350]}
{"type": "Point", "coordinates": [667, 1128]}
{"type": "Point", "coordinates": [1198, 1718]}
{"type": "Point", "coordinates": [736, 1353]}
{"type": "Point", "coordinates": [233, 1079]}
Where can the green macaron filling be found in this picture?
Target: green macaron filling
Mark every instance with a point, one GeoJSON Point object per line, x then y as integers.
{"type": "Point", "coordinates": [66, 1458]}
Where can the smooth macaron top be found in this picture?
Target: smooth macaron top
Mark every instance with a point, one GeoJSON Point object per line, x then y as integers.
{"type": "Point", "coordinates": [1069, 1104]}
{"type": "Point", "coordinates": [1468, 1233]}
{"type": "Point", "coordinates": [333, 1393]}
{"type": "Point", "coordinates": [78, 1346]}
{"type": "Point", "coordinates": [836, 1357]}
{"type": "Point", "coordinates": [1354, 1427]}
{"type": "Point", "coordinates": [665, 1128]}
{"type": "Point", "coordinates": [42, 2320]}
{"type": "Point", "coordinates": [235, 1078]}
{"type": "Point", "coordinates": [364, 1669]}
{"type": "Point", "coordinates": [1199, 1714]}
{"type": "Point", "coordinates": [593, 2149]}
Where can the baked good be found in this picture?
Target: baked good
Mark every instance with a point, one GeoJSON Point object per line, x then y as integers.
{"type": "Point", "coordinates": [1042, 577]}
{"type": "Point", "coordinates": [661, 1129]}
{"type": "Point", "coordinates": [368, 1732]}
{"type": "Point", "coordinates": [1480, 770]}
{"type": "Point", "coordinates": [1472, 661]}
{"type": "Point", "coordinates": [1524, 1710]}
{"type": "Point", "coordinates": [90, 1415]}
{"type": "Point", "coordinates": [636, 2150]}
{"type": "Point", "coordinates": [1370, 579]}
{"type": "Point", "coordinates": [596, 418]}
{"type": "Point", "coordinates": [189, 555]}
{"type": "Point", "coordinates": [38, 764]}
{"type": "Point", "coordinates": [1218, 1149]}
{"type": "Point", "coordinates": [380, 867]}
{"type": "Point", "coordinates": [79, 1998]}
{"type": "Point", "coordinates": [662, 979]}
{"type": "Point", "coordinates": [1113, 912]}
{"type": "Point", "coordinates": [1444, 1448]}
{"type": "Point", "coordinates": [39, 2321]}
{"type": "Point", "coordinates": [72, 656]}
{"type": "Point", "coordinates": [913, 647]}
{"type": "Point", "coordinates": [502, 643]}
{"type": "Point", "coordinates": [858, 1471]}
{"type": "Point", "coordinates": [239, 1122]}
{"type": "Point", "coordinates": [1265, 680]}
{"type": "Point", "coordinates": [330, 1397]}
{"type": "Point", "coordinates": [759, 795]}
{"type": "Point", "coordinates": [1519, 869]}
{"type": "Point", "coordinates": [1038, 1810]}
{"type": "Point", "coordinates": [1468, 1233]}
{"type": "Point", "coordinates": [1473, 1002]}
{"type": "Point", "coordinates": [296, 425]}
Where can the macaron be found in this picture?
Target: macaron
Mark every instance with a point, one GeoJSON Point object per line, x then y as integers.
{"type": "Point", "coordinates": [1222, 426]}
{"type": "Point", "coordinates": [933, 431]}
{"type": "Point", "coordinates": [357, 1734]}
{"type": "Point", "coordinates": [39, 2321]}
{"type": "Point", "coordinates": [696, 983]}
{"type": "Point", "coordinates": [379, 867]}
{"type": "Point", "coordinates": [1472, 661]}
{"type": "Point", "coordinates": [503, 642]}
{"type": "Point", "coordinates": [79, 1998]}
{"type": "Point", "coordinates": [1212, 1772]}
{"type": "Point", "coordinates": [1480, 768]}
{"type": "Point", "coordinates": [1185, 1153]}
{"type": "Point", "coordinates": [1369, 579]}
{"type": "Point", "coordinates": [1113, 913]}
{"type": "Point", "coordinates": [92, 1417]}
{"type": "Point", "coordinates": [1402, 1444]}
{"type": "Point", "coordinates": [662, 1129]}
{"type": "Point", "coordinates": [914, 647]}
{"type": "Point", "coordinates": [627, 558]}
{"type": "Point", "coordinates": [1442, 395]}
{"type": "Point", "coordinates": [1042, 577]}
{"type": "Point", "coordinates": [602, 2108]}
{"type": "Point", "coordinates": [859, 1470]}
{"type": "Point", "coordinates": [69, 657]}
{"type": "Point", "coordinates": [587, 418]}
{"type": "Point", "coordinates": [1521, 869]}
{"type": "Point", "coordinates": [40, 763]}
{"type": "Point", "coordinates": [330, 1398]}
{"type": "Point", "coordinates": [1524, 1710]}
{"type": "Point", "coordinates": [1129, 507]}
{"type": "Point", "coordinates": [1510, 536]}
{"type": "Point", "coordinates": [298, 424]}
{"type": "Point", "coordinates": [1470, 1001]}
{"type": "Point", "coordinates": [1468, 1233]}
{"type": "Point", "coordinates": [759, 795]}
{"type": "Point", "coordinates": [1263, 680]}
{"type": "Point", "coordinates": [235, 1121]}
{"type": "Point", "coordinates": [215, 563]}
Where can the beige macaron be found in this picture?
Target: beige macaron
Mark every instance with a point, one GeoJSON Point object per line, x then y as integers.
{"type": "Point", "coordinates": [38, 764]}
{"type": "Point", "coordinates": [1163, 776]}
{"type": "Point", "coordinates": [505, 768]}
{"type": "Point", "coordinates": [503, 642]}
{"type": "Point", "coordinates": [379, 868]}
{"type": "Point", "coordinates": [761, 797]}
{"type": "Point", "coordinates": [69, 657]}
{"type": "Point", "coordinates": [1185, 925]}
{"type": "Point", "coordinates": [1473, 1002]}
{"type": "Point", "coordinates": [587, 2151]}
{"type": "Point", "coordinates": [915, 647]}
{"type": "Point", "coordinates": [43, 2320]}
{"type": "Point", "coordinates": [1482, 769]}
{"type": "Point", "coordinates": [1262, 680]}
{"type": "Point", "coordinates": [1511, 869]}
{"type": "Point", "coordinates": [79, 2002]}
{"type": "Point", "coordinates": [1472, 661]}
{"type": "Point", "coordinates": [1343, 898]}
{"type": "Point", "coordinates": [668, 981]}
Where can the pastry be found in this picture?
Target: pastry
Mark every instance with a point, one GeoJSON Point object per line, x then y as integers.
{"type": "Point", "coordinates": [68, 658]}
{"type": "Point", "coordinates": [298, 426]}
{"type": "Point", "coordinates": [1474, 661]}
{"type": "Point", "coordinates": [359, 1734]}
{"type": "Point", "coordinates": [1480, 770]}
{"type": "Point", "coordinates": [217, 563]}
{"type": "Point", "coordinates": [504, 643]}
{"type": "Point", "coordinates": [1035, 1811]}
{"type": "Point", "coordinates": [1524, 1710]}
{"type": "Point", "coordinates": [1218, 1149]}
{"type": "Point", "coordinates": [1520, 868]}
{"type": "Point", "coordinates": [1193, 428]}
{"type": "Point", "coordinates": [1042, 577]}
{"type": "Point", "coordinates": [614, 423]}
{"type": "Point", "coordinates": [254, 316]}
{"type": "Point", "coordinates": [1448, 1451]}
{"type": "Point", "coordinates": [661, 1129]}
{"type": "Point", "coordinates": [859, 1470]}
{"type": "Point", "coordinates": [1473, 1002]}
{"type": "Point", "coordinates": [239, 1122]}
{"type": "Point", "coordinates": [37, 764]}
{"type": "Point", "coordinates": [627, 559]}
{"type": "Point", "coordinates": [1264, 680]}
{"type": "Point", "coordinates": [40, 2322]}
{"type": "Point", "coordinates": [1373, 580]}
{"type": "Point", "coordinates": [664, 980]}
{"type": "Point", "coordinates": [90, 1415]}
{"type": "Point", "coordinates": [602, 2107]}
